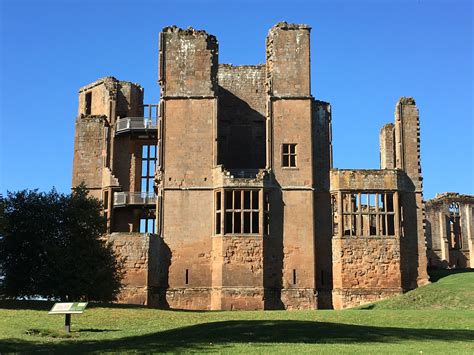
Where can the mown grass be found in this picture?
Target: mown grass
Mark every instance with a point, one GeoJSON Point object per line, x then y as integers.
{"type": "Point", "coordinates": [455, 292]}
{"type": "Point", "coordinates": [393, 326]}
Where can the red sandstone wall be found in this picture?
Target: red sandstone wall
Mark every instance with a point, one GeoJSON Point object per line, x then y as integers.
{"type": "Point", "coordinates": [365, 270]}
{"type": "Point", "coordinates": [88, 153]}
{"type": "Point", "coordinates": [134, 247]}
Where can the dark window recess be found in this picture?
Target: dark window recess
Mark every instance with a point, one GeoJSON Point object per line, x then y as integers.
{"type": "Point", "coordinates": [218, 223]}
{"type": "Point", "coordinates": [218, 212]}
{"type": "Point", "coordinates": [241, 213]}
{"type": "Point", "coordinates": [288, 159]}
{"type": "Point", "coordinates": [266, 214]}
{"type": "Point", "coordinates": [455, 239]}
{"type": "Point", "coordinates": [106, 200]}
{"type": "Point", "coordinates": [187, 277]}
{"type": "Point", "coordinates": [88, 103]}
{"type": "Point", "coordinates": [294, 276]}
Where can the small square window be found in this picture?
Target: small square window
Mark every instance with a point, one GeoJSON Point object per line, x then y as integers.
{"type": "Point", "coordinates": [288, 158]}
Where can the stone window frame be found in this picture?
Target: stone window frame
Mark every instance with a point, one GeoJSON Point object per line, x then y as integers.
{"type": "Point", "coordinates": [350, 223]}
{"type": "Point", "coordinates": [453, 228]}
{"type": "Point", "coordinates": [147, 167]}
{"type": "Point", "coordinates": [239, 211]}
{"type": "Point", "coordinates": [289, 155]}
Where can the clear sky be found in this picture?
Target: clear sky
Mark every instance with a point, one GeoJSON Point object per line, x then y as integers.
{"type": "Point", "coordinates": [365, 55]}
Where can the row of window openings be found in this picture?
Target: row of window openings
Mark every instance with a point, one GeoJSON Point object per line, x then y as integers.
{"type": "Point", "coordinates": [241, 212]}
{"type": "Point", "coordinates": [367, 202]}
{"type": "Point", "coordinates": [365, 214]}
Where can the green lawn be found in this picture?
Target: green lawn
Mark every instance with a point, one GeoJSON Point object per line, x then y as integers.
{"type": "Point", "coordinates": [406, 324]}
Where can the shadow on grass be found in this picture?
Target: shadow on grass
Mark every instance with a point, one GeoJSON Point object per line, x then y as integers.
{"type": "Point", "coordinates": [47, 305]}
{"type": "Point", "coordinates": [220, 335]}
{"type": "Point", "coordinates": [437, 274]}
{"type": "Point", "coordinates": [26, 305]}
{"type": "Point", "coordinates": [96, 330]}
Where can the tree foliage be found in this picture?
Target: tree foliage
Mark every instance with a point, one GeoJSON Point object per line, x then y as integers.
{"type": "Point", "coordinates": [51, 246]}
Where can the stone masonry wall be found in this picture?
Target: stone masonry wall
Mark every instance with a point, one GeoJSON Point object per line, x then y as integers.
{"type": "Point", "coordinates": [237, 271]}
{"type": "Point", "coordinates": [365, 266]}
{"type": "Point", "coordinates": [88, 153]}
{"type": "Point", "coordinates": [288, 60]}
{"type": "Point", "coordinates": [134, 248]}
{"type": "Point", "coordinates": [387, 147]}
{"type": "Point", "coordinates": [188, 63]}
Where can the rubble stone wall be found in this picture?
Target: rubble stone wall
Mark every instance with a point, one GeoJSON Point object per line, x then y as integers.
{"type": "Point", "coordinates": [368, 266]}
{"type": "Point", "coordinates": [134, 248]}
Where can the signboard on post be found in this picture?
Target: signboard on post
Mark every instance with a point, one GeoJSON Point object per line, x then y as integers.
{"type": "Point", "coordinates": [68, 308]}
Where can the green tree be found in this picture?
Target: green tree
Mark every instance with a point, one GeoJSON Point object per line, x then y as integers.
{"type": "Point", "coordinates": [52, 246]}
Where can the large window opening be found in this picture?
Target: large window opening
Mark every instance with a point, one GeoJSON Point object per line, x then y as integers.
{"type": "Point", "coordinates": [237, 212]}
{"type": "Point", "coordinates": [365, 214]}
{"type": "Point", "coordinates": [148, 168]}
{"type": "Point", "coordinates": [454, 227]}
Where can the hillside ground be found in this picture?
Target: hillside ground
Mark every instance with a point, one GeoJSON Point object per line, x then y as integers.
{"type": "Point", "coordinates": [437, 318]}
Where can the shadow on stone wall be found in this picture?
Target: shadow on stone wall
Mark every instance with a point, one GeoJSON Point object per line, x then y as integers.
{"type": "Point", "coordinates": [273, 253]}
{"type": "Point", "coordinates": [241, 133]}
{"type": "Point", "coordinates": [158, 272]}
{"type": "Point", "coordinates": [437, 273]}
{"type": "Point", "coordinates": [409, 236]}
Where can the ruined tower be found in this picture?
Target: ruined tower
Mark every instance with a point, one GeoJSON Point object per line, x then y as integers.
{"type": "Point", "coordinates": [222, 196]}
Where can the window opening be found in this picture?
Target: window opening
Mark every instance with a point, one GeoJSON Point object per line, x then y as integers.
{"type": "Point", "coordinates": [186, 277]}
{"type": "Point", "coordinates": [335, 215]}
{"type": "Point", "coordinates": [369, 214]}
{"type": "Point", "coordinates": [241, 213]}
{"type": "Point", "coordinates": [106, 200]}
{"type": "Point", "coordinates": [147, 225]}
{"type": "Point", "coordinates": [148, 168]}
{"type": "Point", "coordinates": [454, 226]}
{"type": "Point", "coordinates": [294, 276]}
{"type": "Point", "coordinates": [289, 155]}
{"type": "Point", "coordinates": [266, 213]}
{"type": "Point", "coordinates": [218, 212]}
{"type": "Point", "coordinates": [88, 107]}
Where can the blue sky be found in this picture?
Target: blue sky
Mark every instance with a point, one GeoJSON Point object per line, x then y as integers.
{"type": "Point", "coordinates": [365, 55]}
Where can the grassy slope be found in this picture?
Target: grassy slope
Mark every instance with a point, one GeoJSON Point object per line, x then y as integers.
{"type": "Point", "coordinates": [455, 292]}
{"type": "Point", "coordinates": [396, 326]}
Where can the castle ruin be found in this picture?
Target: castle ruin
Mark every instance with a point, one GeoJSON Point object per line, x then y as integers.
{"type": "Point", "coordinates": [223, 196]}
